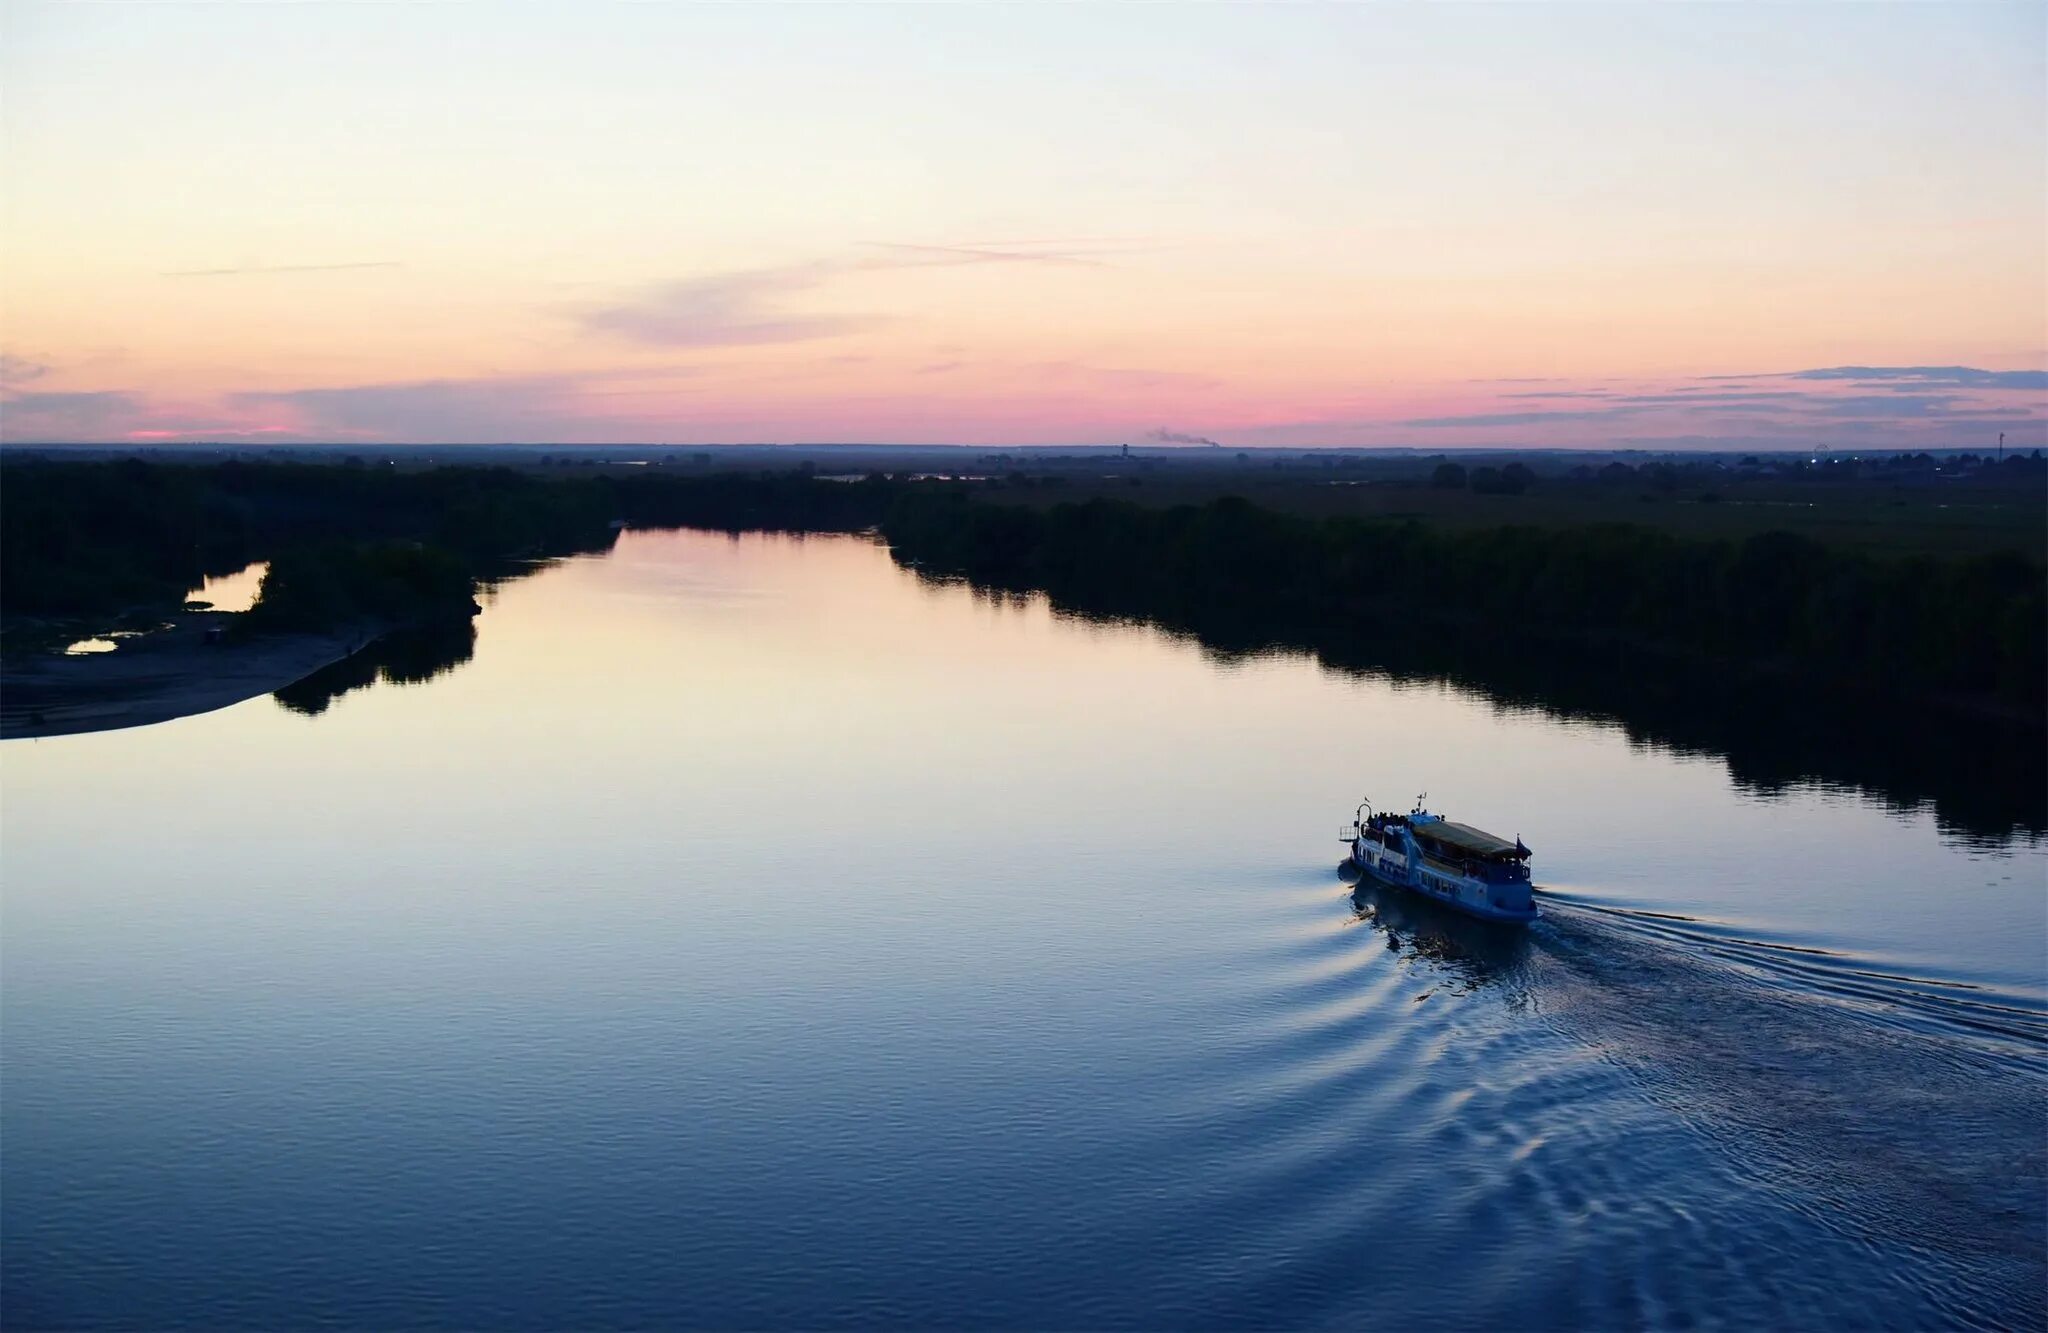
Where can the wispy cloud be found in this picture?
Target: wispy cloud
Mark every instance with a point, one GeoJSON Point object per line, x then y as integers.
{"type": "Point", "coordinates": [518, 407]}
{"type": "Point", "coordinates": [740, 309]}
{"type": "Point", "coordinates": [19, 370]}
{"type": "Point", "coordinates": [1860, 400]}
{"type": "Point", "coordinates": [589, 406]}
{"type": "Point", "coordinates": [1888, 406]}
{"type": "Point", "coordinates": [2019, 414]}
{"type": "Point", "coordinates": [1674, 396]}
{"type": "Point", "coordinates": [754, 307]}
{"type": "Point", "coordinates": [97, 414]}
{"type": "Point", "coordinates": [1962, 377]}
{"type": "Point", "coordinates": [1695, 397]}
{"type": "Point", "coordinates": [281, 268]}
{"type": "Point", "coordinates": [1073, 375]}
{"type": "Point", "coordinates": [1504, 419]}
{"type": "Point", "coordinates": [1038, 400]}
{"type": "Point", "coordinates": [975, 254]}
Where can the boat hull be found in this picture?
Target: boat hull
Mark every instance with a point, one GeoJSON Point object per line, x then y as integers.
{"type": "Point", "coordinates": [1472, 897]}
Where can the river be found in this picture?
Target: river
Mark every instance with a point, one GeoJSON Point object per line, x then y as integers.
{"type": "Point", "coordinates": [748, 932]}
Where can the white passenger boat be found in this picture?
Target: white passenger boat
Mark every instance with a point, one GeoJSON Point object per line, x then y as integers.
{"type": "Point", "coordinates": [1464, 868]}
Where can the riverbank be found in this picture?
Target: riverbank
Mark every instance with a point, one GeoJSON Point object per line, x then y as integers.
{"type": "Point", "coordinates": [170, 673]}
{"type": "Point", "coordinates": [1918, 632]}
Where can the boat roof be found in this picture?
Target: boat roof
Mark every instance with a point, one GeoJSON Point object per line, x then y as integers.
{"type": "Point", "coordinates": [1465, 838]}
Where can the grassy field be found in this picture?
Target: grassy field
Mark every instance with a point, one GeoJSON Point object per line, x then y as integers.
{"type": "Point", "coordinates": [1875, 508]}
{"type": "Point", "coordinates": [1870, 515]}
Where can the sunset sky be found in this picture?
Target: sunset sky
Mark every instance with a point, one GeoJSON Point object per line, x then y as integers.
{"type": "Point", "coordinates": [1711, 226]}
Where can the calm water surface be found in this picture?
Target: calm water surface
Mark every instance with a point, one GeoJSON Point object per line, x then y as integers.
{"type": "Point", "coordinates": [232, 592]}
{"type": "Point", "coordinates": [751, 934]}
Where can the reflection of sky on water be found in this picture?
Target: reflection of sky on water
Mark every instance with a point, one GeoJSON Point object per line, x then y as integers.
{"type": "Point", "coordinates": [231, 592]}
{"type": "Point", "coordinates": [103, 643]}
{"type": "Point", "coordinates": [786, 932]}
{"type": "Point", "coordinates": [816, 675]}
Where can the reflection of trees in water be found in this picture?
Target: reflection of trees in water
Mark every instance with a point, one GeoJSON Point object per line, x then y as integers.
{"type": "Point", "coordinates": [416, 654]}
{"type": "Point", "coordinates": [408, 656]}
{"type": "Point", "coordinates": [1984, 780]}
{"type": "Point", "coordinates": [1987, 781]}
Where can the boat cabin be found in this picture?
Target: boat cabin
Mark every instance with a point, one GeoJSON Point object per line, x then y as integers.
{"type": "Point", "coordinates": [1470, 851]}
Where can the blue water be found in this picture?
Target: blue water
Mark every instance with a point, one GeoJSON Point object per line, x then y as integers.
{"type": "Point", "coordinates": [752, 935]}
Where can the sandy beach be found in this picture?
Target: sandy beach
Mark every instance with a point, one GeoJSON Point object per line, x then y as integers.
{"type": "Point", "coordinates": [172, 673]}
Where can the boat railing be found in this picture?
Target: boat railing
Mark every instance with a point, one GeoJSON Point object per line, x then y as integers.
{"type": "Point", "coordinates": [1479, 868]}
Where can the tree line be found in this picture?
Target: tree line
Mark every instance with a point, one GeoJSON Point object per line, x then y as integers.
{"type": "Point", "coordinates": [95, 537]}
{"type": "Point", "coordinates": [101, 538]}
{"type": "Point", "coordinates": [1973, 628]}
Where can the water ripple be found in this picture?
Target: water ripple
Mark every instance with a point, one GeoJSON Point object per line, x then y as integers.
{"type": "Point", "coordinates": [1639, 1120]}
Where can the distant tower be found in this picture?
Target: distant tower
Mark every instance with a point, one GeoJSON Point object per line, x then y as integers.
{"type": "Point", "coordinates": [2001, 446]}
{"type": "Point", "coordinates": [1127, 448]}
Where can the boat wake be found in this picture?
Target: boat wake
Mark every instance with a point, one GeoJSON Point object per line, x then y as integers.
{"type": "Point", "coordinates": [2014, 1025]}
{"type": "Point", "coordinates": [1663, 1114]}
{"type": "Point", "coordinates": [1900, 1113]}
